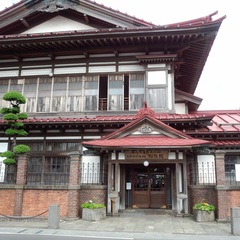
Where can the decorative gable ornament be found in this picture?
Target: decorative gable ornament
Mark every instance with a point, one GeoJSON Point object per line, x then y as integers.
{"type": "Point", "coordinates": [146, 129]}
{"type": "Point", "coordinates": [145, 111]}
{"type": "Point", "coordinates": [54, 5]}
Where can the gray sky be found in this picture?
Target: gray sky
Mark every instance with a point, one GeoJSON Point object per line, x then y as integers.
{"type": "Point", "coordinates": [219, 85]}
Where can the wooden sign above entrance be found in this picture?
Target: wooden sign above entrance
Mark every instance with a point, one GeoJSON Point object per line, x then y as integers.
{"type": "Point", "coordinates": [146, 154]}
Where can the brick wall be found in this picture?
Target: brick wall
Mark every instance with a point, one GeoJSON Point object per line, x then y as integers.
{"type": "Point", "coordinates": [7, 197]}
{"type": "Point", "coordinates": [233, 197]}
{"type": "Point", "coordinates": [38, 201]}
{"type": "Point", "coordinates": [99, 193]}
{"type": "Point", "coordinates": [202, 193]}
{"type": "Point", "coordinates": [224, 200]}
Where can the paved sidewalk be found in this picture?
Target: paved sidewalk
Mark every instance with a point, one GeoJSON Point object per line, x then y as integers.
{"type": "Point", "coordinates": [132, 224]}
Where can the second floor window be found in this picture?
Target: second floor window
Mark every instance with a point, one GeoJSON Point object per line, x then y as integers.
{"type": "Point", "coordinates": [157, 89]}
{"type": "Point", "coordinates": [93, 92]}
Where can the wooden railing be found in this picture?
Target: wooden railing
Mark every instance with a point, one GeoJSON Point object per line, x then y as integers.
{"type": "Point", "coordinates": [103, 106]}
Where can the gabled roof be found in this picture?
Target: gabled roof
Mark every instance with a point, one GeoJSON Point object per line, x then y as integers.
{"type": "Point", "coordinates": [112, 32]}
{"type": "Point", "coordinates": [146, 142]}
{"type": "Point", "coordinates": [192, 101]}
{"type": "Point", "coordinates": [145, 131]}
{"type": "Point", "coordinates": [28, 13]}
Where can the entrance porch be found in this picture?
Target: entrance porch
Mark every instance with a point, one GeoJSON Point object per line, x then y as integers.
{"type": "Point", "coordinates": [160, 185]}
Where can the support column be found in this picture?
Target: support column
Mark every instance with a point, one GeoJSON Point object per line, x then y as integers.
{"type": "Point", "coordinates": [21, 180]}
{"type": "Point", "coordinates": [185, 188]}
{"type": "Point", "coordinates": [74, 185]}
{"type": "Point", "coordinates": [178, 188]}
{"type": "Point", "coordinates": [222, 198]}
{"type": "Point", "coordinates": [110, 187]}
{"type": "Point", "coordinates": [113, 198]}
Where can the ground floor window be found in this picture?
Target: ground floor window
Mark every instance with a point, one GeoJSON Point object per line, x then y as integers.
{"type": "Point", "coordinates": [3, 148]}
{"type": "Point", "coordinates": [93, 171]}
{"type": "Point", "coordinates": [48, 171]}
{"type": "Point", "coordinates": [206, 169]}
{"type": "Point", "coordinates": [232, 169]}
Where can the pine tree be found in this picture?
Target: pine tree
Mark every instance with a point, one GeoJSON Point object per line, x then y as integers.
{"type": "Point", "coordinates": [14, 118]}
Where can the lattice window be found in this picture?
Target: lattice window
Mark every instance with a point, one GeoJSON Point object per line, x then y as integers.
{"type": "Point", "coordinates": [232, 169]}
{"type": "Point", "coordinates": [206, 169]}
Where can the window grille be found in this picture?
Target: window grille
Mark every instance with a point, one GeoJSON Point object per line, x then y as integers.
{"type": "Point", "coordinates": [206, 173]}
{"type": "Point", "coordinates": [48, 171]}
{"type": "Point", "coordinates": [202, 171]}
{"type": "Point", "coordinates": [92, 172]}
{"type": "Point", "coordinates": [230, 169]}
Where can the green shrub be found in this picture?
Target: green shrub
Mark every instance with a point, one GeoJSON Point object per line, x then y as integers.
{"type": "Point", "coordinates": [22, 116]}
{"type": "Point", "coordinates": [12, 131]}
{"type": "Point", "coordinates": [14, 96]}
{"type": "Point", "coordinates": [7, 154]}
{"type": "Point", "coordinates": [9, 161]}
{"type": "Point", "coordinates": [10, 116]}
{"type": "Point", "coordinates": [21, 148]}
{"type": "Point", "coordinates": [203, 206]}
{"type": "Point", "coordinates": [92, 205]}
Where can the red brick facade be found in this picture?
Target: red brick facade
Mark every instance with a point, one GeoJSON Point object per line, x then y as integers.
{"type": "Point", "coordinates": [20, 200]}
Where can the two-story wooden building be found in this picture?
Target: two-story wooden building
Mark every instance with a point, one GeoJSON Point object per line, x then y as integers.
{"type": "Point", "coordinates": [112, 112]}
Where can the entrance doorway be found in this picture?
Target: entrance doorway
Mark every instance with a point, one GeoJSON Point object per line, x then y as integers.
{"type": "Point", "coordinates": [151, 187]}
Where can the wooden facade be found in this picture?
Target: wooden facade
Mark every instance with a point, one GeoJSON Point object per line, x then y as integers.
{"type": "Point", "coordinates": [112, 112]}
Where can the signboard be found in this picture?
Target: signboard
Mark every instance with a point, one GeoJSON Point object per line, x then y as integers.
{"type": "Point", "coordinates": [237, 172]}
{"type": "Point", "coordinates": [128, 186]}
{"type": "Point", "coordinates": [146, 154]}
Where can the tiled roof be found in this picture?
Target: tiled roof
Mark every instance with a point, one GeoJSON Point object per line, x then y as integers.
{"type": "Point", "coordinates": [146, 114]}
{"type": "Point", "coordinates": [226, 143]}
{"type": "Point", "coordinates": [116, 118]}
{"type": "Point", "coordinates": [190, 23]}
{"type": "Point", "coordinates": [147, 141]}
{"type": "Point", "coordinates": [224, 121]}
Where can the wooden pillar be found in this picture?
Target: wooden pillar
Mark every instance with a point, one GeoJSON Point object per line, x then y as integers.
{"type": "Point", "coordinates": [21, 180]}
{"type": "Point", "coordinates": [185, 188]}
{"type": "Point", "coordinates": [222, 196]}
{"type": "Point", "coordinates": [178, 188]}
{"type": "Point", "coordinates": [74, 185]}
{"type": "Point", "coordinates": [109, 187]}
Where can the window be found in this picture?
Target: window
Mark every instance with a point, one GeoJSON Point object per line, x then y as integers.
{"type": "Point", "coordinates": [30, 90]}
{"type": "Point", "coordinates": [75, 94]}
{"type": "Point", "coordinates": [232, 169]}
{"type": "Point", "coordinates": [157, 89]}
{"type": "Point", "coordinates": [59, 94]}
{"type": "Point", "coordinates": [48, 171]}
{"type": "Point", "coordinates": [91, 93]}
{"type": "Point", "coordinates": [92, 171]}
{"type": "Point", "coordinates": [44, 95]}
{"type": "Point", "coordinates": [206, 169]}
{"type": "Point", "coordinates": [115, 92]}
{"type": "Point", "coordinates": [156, 77]}
{"type": "Point", "coordinates": [3, 148]}
{"type": "Point", "coordinates": [3, 90]}
{"type": "Point", "coordinates": [136, 91]}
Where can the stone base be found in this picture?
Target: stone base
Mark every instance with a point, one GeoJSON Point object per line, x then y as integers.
{"type": "Point", "coordinates": [93, 214]}
{"type": "Point", "coordinates": [203, 216]}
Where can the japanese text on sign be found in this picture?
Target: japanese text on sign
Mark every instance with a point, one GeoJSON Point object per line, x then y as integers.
{"type": "Point", "coordinates": [146, 154]}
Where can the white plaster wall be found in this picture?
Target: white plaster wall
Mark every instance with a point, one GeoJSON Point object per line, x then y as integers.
{"type": "Point", "coordinates": [180, 108]}
{"type": "Point", "coordinates": [58, 24]}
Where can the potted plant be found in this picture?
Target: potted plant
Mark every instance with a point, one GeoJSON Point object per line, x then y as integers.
{"type": "Point", "coordinates": [204, 212]}
{"type": "Point", "coordinates": [93, 211]}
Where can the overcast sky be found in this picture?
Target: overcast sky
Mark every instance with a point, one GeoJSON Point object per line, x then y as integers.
{"type": "Point", "coordinates": [219, 85]}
